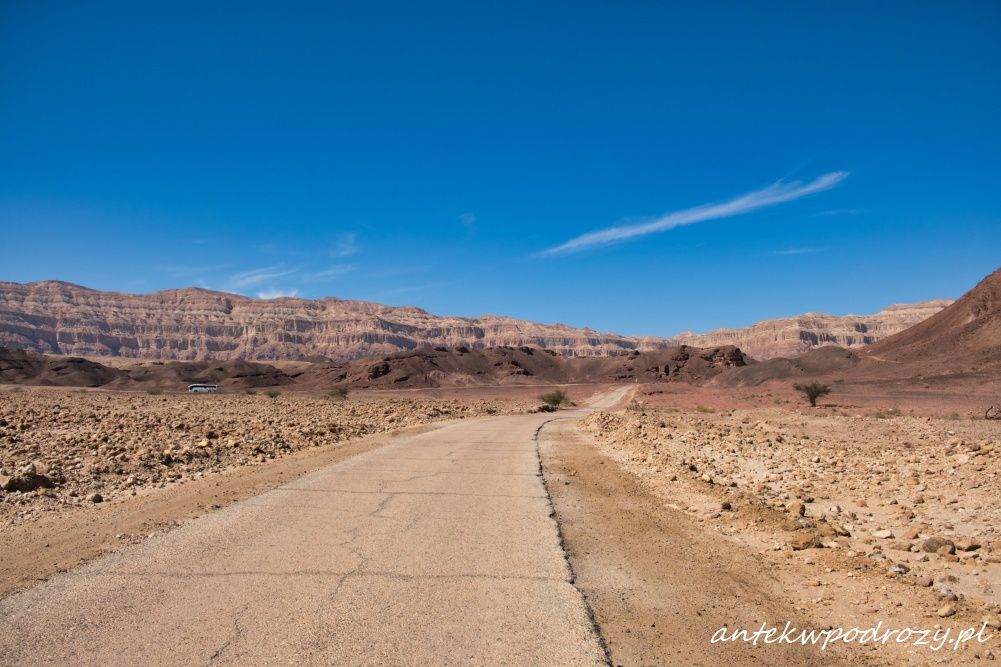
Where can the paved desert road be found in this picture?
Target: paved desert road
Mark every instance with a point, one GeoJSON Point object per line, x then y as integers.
{"type": "Point", "coordinates": [436, 548]}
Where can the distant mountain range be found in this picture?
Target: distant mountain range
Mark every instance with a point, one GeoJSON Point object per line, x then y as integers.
{"type": "Point", "coordinates": [55, 317]}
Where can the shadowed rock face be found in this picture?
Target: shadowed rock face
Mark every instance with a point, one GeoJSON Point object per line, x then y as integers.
{"type": "Point", "coordinates": [54, 317]}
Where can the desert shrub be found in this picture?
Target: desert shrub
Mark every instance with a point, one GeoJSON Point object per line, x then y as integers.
{"type": "Point", "coordinates": [154, 392]}
{"type": "Point", "coordinates": [271, 393]}
{"type": "Point", "coordinates": [251, 392]}
{"type": "Point", "coordinates": [812, 391]}
{"type": "Point", "coordinates": [555, 398]}
{"type": "Point", "coordinates": [704, 409]}
{"type": "Point", "coordinates": [337, 393]}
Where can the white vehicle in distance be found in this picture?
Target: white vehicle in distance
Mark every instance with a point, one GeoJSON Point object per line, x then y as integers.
{"type": "Point", "coordinates": [202, 388]}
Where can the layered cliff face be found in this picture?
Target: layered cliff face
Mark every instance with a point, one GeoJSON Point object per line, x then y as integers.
{"type": "Point", "coordinates": [790, 336]}
{"type": "Point", "coordinates": [191, 324]}
{"type": "Point", "coordinates": [188, 324]}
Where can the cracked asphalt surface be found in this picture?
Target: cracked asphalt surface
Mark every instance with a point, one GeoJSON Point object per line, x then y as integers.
{"type": "Point", "coordinates": [435, 548]}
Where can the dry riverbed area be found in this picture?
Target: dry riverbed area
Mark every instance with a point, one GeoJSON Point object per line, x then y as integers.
{"type": "Point", "coordinates": [864, 518]}
{"type": "Point", "coordinates": [64, 449]}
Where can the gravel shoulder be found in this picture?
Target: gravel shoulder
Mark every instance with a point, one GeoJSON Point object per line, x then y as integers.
{"type": "Point", "coordinates": [657, 585]}
{"type": "Point", "coordinates": [862, 519]}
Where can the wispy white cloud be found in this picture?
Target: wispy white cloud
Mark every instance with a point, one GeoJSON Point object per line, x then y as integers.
{"type": "Point", "coordinates": [468, 220]}
{"type": "Point", "coordinates": [181, 271]}
{"type": "Point", "coordinates": [272, 293]}
{"type": "Point", "coordinates": [253, 277]}
{"type": "Point", "coordinates": [835, 211]}
{"type": "Point", "coordinates": [795, 251]}
{"type": "Point", "coordinates": [331, 272]}
{"type": "Point", "coordinates": [346, 245]}
{"type": "Point", "coordinates": [775, 193]}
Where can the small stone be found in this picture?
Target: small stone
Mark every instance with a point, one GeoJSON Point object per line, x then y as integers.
{"type": "Point", "coordinates": [947, 610]}
{"type": "Point", "coordinates": [967, 544]}
{"type": "Point", "coordinates": [884, 534]}
{"type": "Point", "coordinates": [95, 498]}
{"type": "Point", "coordinates": [796, 507]}
{"type": "Point", "coordinates": [726, 506]}
{"type": "Point", "coordinates": [934, 543]}
{"type": "Point", "coordinates": [802, 541]}
{"type": "Point", "coordinates": [992, 621]}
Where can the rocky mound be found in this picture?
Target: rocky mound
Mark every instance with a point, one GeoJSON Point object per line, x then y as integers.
{"type": "Point", "coordinates": [176, 376]}
{"type": "Point", "coordinates": [432, 367]}
{"type": "Point", "coordinates": [965, 337]}
{"type": "Point", "coordinates": [821, 362]}
{"type": "Point", "coordinates": [522, 365]}
{"type": "Point", "coordinates": [24, 367]}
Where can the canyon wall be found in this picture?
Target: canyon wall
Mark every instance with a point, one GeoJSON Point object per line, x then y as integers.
{"type": "Point", "coordinates": [191, 324]}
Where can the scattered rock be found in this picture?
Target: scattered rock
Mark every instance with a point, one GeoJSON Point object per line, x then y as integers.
{"type": "Point", "coordinates": [802, 541]}
{"type": "Point", "coordinates": [934, 543]}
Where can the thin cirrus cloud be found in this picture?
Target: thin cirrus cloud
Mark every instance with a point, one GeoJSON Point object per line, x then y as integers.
{"type": "Point", "coordinates": [253, 277]}
{"type": "Point", "coordinates": [776, 193]}
{"type": "Point", "coordinates": [277, 293]}
{"type": "Point", "coordinates": [795, 251]}
{"type": "Point", "coordinates": [332, 272]}
{"type": "Point", "coordinates": [346, 245]}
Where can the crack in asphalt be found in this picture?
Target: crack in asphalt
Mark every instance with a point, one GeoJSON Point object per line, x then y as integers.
{"type": "Point", "coordinates": [235, 635]}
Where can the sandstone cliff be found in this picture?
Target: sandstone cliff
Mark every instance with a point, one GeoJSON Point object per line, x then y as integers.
{"type": "Point", "coordinates": [59, 318]}
{"type": "Point", "coordinates": [790, 336]}
{"type": "Point", "coordinates": [190, 324]}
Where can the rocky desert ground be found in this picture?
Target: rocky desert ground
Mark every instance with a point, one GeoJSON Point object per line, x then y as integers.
{"type": "Point", "coordinates": [873, 515]}
{"type": "Point", "coordinates": [61, 449]}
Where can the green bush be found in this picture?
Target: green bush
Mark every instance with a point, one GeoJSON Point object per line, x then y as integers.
{"type": "Point", "coordinates": [271, 393]}
{"type": "Point", "coordinates": [154, 392]}
{"type": "Point", "coordinates": [337, 393]}
{"type": "Point", "coordinates": [812, 391]}
{"type": "Point", "coordinates": [555, 398]}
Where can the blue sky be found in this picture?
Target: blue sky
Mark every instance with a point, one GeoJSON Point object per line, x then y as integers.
{"type": "Point", "coordinates": [637, 167]}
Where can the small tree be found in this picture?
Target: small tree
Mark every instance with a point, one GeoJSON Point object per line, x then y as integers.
{"type": "Point", "coordinates": [812, 391]}
{"type": "Point", "coordinates": [271, 393]}
{"type": "Point", "coordinates": [337, 393]}
{"type": "Point", "coordinates": [555, 398]}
